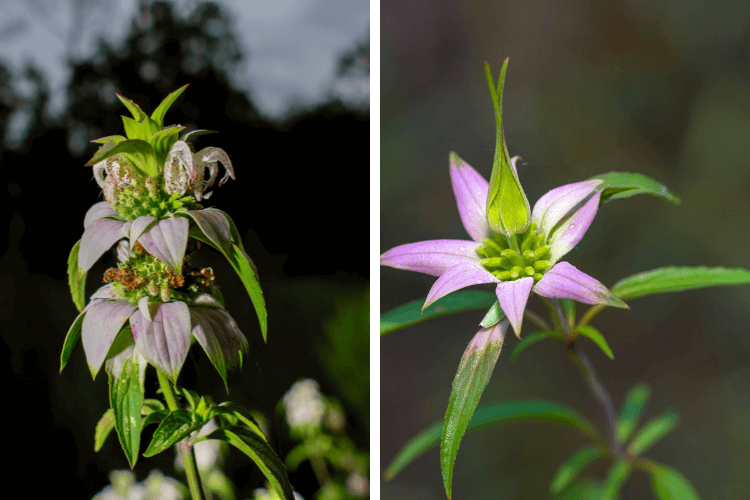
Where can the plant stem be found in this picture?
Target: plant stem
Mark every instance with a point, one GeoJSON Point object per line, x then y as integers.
{"type": "Point", "coordinates": [188, 453]}
{"type": "Point", "coordinates": [589, 315]}
{"type": "Point", "coordinates": [537, 320]}
{"type": "Point", "coordinates": [319, 468]}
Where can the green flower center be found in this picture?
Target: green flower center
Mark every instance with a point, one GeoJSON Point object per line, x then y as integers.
{"type": "Point", "coordinates": [509, 260]}
{"type": "Point", "coordinates": [136, 201]}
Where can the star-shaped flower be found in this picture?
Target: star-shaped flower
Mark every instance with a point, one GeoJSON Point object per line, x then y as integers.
{"type": "Point", "coordinates": [558, 222]}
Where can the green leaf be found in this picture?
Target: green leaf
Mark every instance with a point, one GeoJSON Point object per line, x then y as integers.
{"type": "Point", "coordinates": [581, 489]}
{"type": "Point", "coordinates": [126, 399]}
{"type": "Point", "coordinates": [161, 110]}
{"type": "Point", "coordinates": [652, 432]}
{"type": "Point", "coordinates": [569, 306]}
{"type": "Point", "coordinates": [668, 484]}
{"type": "Point", "coordinates": [528, 340]}
{"type": "Point", "coordinates": [616, 183]}
{"type": "Point", "coordinates": [474, 371]}
{"type": "Point", "coordinates": [618, 474]}
{"type": "Point", "coordinates": [105, 425]}
{"type": "Point", "coordinates": [508, 210]}
{"type": "Point", "coordinates": [71, 339]}
{"type": "Point", "coordinates": [163, 140]}
{"type": "Point", "coordinates": [154, 417]}
{"type": "Point", "coordinates": [196, 133]}
{"type": "Point", "coordinates": [229, 408]}
{"type": "Point", "coordinates": [410, 314]}
{"type": "Point", "coordinates": [493, 316]}
{"type": "Point", "coordinates": [260, 452]}
{"type": "Point", "coordinates": [634, 404]}
{"type": "Point", "coordinates": [573, 467]}
{"type": "Point", "coordinates": [114, 138]}
{"type": "Point", "coordinates": [76, 280]}
{"type": "Point", "coordinates": [678, 279]}
{"type": "Point", "coordinates": [135, 110]}
{"type": "Point", "coordinates": [598, 338]}
{"type": "Point", "coordinates": [139, 153]}
{"type": "Point", "coordinates": [530, 410]}
{"type": "Point", "coordinates": [176, 426]}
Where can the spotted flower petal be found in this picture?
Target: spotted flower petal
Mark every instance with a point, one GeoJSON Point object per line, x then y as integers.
{"type": "Point", "coordinates": [459, 276]}
{"type": "Point", "coordinates": [555, 204]}
{"type": "Point", "coordinates": [470, 189]}
{"type": "Point", "coordinates": [564, 281]}
{"type": "Point", "coordinates": [167, 240]}
{"type": "Point", "coordinates": [570, 230]}
{"type": "Point", "coordinates": [103, 320]}
{"type": "Point", "coordinates": [98, 211]}
{"type": "Point", "coordinates": [220, 337]}
{"type": "Point", "coordinates": [513, 296]}
{"type": "Point", "coordinates": [431, 257]}
{"type": "Point", "coordinates": [165, 341]}
{"type": "Point", "coordinates": [98, 237]}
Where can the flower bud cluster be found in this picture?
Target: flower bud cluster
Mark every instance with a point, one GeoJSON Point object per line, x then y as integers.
{"type": "Point", "coordinates": [149, 199]}
{"type": "Point", "coordinates": [529, 259]}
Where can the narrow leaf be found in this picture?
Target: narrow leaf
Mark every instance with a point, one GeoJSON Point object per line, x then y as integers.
{"type": "Point", "coordinates": [155, 417]}
{"type": "Point", "coordinates": [569, 306]}
{"type": "Point", "coordinates": [634, 404]}
{"type": "Point", "coordinates": [493, 316]}
{"type": "Point", "coordinates": [410, 314]}
{"type": "Point", "coordinates": [530, 410]}
{"type": "Point", "coordinates": [573, 467]}
{"type": "Point", "coordinates": [472, 377]}
{"type": "Point", "coordinates": [616, 184]}
{"type": "Point", "coordinates": [652, 432]}
{"type": "Point", "coordinates": [261, 453]}
{"type": "Point", "coordinates": [76, 280]}
{"type": "Point", "coordinates": [105, 140]}
{"type": "Point", "coordinates": [139, 152]}
{"type": "Point", "coordinates": [163, 140]}
{"type": "Point", "coordinates": [135, 110]}
{"type": "Point", "coordinates": [71, 339]}
{"type": "Point", "coordinates": [678, 279]}
{"type": "Point", "coordinates": [618, 474]}
{"type": "Point", "coordinates": [528, 340]}
{"type": "Point", "coordinates": [668, 484]}
{"type": "Point", "coordinates": [175, 427]}
{"type": "Point", "coordinates": [598, 338]}
{"type": "Point", "coordinates": [126, 400]}
{"type": "Point", "coordinates": [163, 107]}
{"type": "Point", "coordinates": [229, 408]}
{"type": "Point", "coordinates": [105, 425]}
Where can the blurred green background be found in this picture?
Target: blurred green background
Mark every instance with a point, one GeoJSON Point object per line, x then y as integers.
{"type": "Point", "coordinates": [659, 88]}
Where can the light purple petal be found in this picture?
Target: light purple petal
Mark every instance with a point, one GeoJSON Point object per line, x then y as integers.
{"type": "Point", "coordinates": [206, 300]}
{"type": "Point", "coordinates": [470, 189]}
{"type": "Point", "coordinates": [495, 334]}
{"type": "Point", "coordinates": [104, 292]}
{"type": "Point", "coordinates": [98, 211]}
{"type": "Point", "coordinates": [103, 320]}
{"type": "Point", "coordinates": [219, 335]}
{"type": "Point", "coordinates": [167, 241]}
{"type": "Point", "coordinates": [555, 205]}
{"type": "Point", "coordinates": [139, 226]}
{"type": "Point", "coordinates": [215, 226]}
{"type": "Point", "coordinates": [459, 276]}
{"type": "Point", "coordinates": [564, 281]}
{"type": "Point", "coordinates": [115, 361]}
{"type": "Point", "coordinates": [148, 310]}
{"type": "Point", "coordinates": [97, 239]}
{"type": "Point", "coordinates": [125, 229]}
{"type": "Point", "coordinates": [165, 341]}
{"type": "Point", "coordinates": [572, 228]}
{"type": "Point", "coordinates": [512, 296]}
{"type": "Point", "coordinates": [431, 257]}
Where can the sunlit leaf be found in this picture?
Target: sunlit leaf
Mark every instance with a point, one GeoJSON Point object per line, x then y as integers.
{"type": "Point", "coordinates": [617, 184]}
{"type": "Point", "coordinates": [410, 314]}
{"type": "Point", "coordinates": [572, 468]}
{"type": "Point", "coordinates": [678, 279]}
{"type": "Point", "coordinates": [126, 400]}
{"type": "Point", "coordinates": [598, 338]}
{"type": "Point", "coordinates": [176, 426]}
{"type": "Point", "coordinates": [668, 484]}
{"type": "Point", "coordinates": [76, 279]}
{"type": "Point", "coordinates": [158, 115]}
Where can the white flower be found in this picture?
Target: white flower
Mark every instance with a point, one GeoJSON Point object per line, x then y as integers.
{"type": "Point", "coordinates": [304, 404]}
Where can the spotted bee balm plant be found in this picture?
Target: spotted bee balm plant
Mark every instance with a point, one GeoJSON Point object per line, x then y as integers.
{"type": "Point", "coordinates": [519, 251]}
{"type": "Point", "coordinates": [155, 303]}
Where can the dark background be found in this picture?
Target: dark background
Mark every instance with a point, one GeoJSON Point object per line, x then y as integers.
{"type": "Point", "coordinates": [659, 88]}
{"type": "Point", "coordinates": [298, 201]}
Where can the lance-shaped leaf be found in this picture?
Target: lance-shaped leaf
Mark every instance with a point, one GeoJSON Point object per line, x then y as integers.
{"type": "Point", "coordinates": [104, 427]}
{"type": "Point", "coordinates": [138, 114]}
{"type": "Point", "coordinates": [652, 432]}
{"type": "Point", "coordinates": [508, 209]}
{"type": "Point", "coordinates": [76, 279]}
{"type": "Point", "coordinates": [678, 279]}
{"type": "Point", "coordinates": [229, 408]}
{"type": "Point", "coordinates": [573, 467]}
{"type": "Point", "coordinates": [167, 240]}
{"type": "Point", "coordinates": [165, 341]}
{"type": "Point", "coordinates": [139, 130]}
{"type": "Point", "coordinates": [634, 404]}
{"type": "Point", "coordinates": [98, 237]}
{"type": "Point", "coordinates": [163, 140]}
{"type": "Point", "coordinates": [616, 477]}
{"type": "Point", "coordinates": [255, 447]}
{"type": "Point", "coordinates": [71, 339]}
{"type": "Point", "coordinates": [598, 338]}
{"type": "Point", "coordinates": [411, 313]}
{"type": "Point", "coordinates": [114, 138]}
{"type": "Point", "coordinates": [102, 323]}
{"type": "Point", "coordinates": [532, 410]}
{"type": "Point", "coordinates": [528, 340]}
{"type": "Point", "coordinates": [472, 377]}
{"type": "Point", "coordinates": [126, 400]}
{"type": "Point", "coordinates": [175, 427]}
{"type": "Point", "coordinates": [139, 152]}
{"type": "Point", "coordinates": [493, 315]}
{"type": "Point", "coordinates": [161, 110]}
{"type": "Point", "coordinates": [668, 484]}
{"type": "Point", "coordinates": [220, 337]}
{"type": "Point", "coordinates": [620, 185]}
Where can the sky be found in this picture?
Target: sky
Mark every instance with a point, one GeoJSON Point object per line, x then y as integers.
{"type": "Point", "coordinates": [293, 45]}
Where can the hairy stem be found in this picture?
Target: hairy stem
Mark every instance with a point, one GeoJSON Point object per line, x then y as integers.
{"type": "Point", "coordinates": [187, 451]}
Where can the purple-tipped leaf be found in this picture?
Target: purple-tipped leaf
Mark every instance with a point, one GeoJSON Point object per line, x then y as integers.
{"type": "Point", "coordinates": [220, 337]}
{"type": "Point", "coordinates": [570, 231]}
{"type": "Point", "coordinates": [470, 189]}
{"type": "Point", "coordinates": [98, 211]}
{"type": "Point", "coordinates": [98, 237]}
{"type": "Point", "coordinates": [513, 296]}
{"type": "Point", "coordinates": [564, 281]}
{"type": "Point", "coordinates": [433, 257]}
{"type": "Point", "coordinates": [555, 204]}
{"type": "Point", "coordinates": [102, 322]}
{"type": "Point", "coordinates": [215, 226]}
{"type": "Point", "coordinates": [167, 240]}
{"type": "Point", "coordinates": [139, 226]}
{"type": "Point", "coordinates": [459, 276]}
{"type": "Point", "coordinates": [165, 341]}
